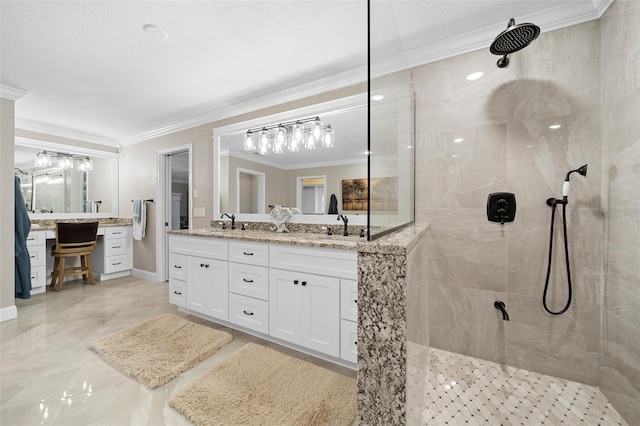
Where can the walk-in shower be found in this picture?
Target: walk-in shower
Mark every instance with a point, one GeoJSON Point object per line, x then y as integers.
{"type": "Point", "coordinates": [513, 39]}
{"type": "Point", "coordinates": [553, 202]}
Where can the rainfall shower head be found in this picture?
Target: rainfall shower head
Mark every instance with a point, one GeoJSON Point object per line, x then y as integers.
{"type": "Point", "coordinates": [513, 39]}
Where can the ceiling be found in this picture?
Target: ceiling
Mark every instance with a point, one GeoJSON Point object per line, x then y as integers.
{"type": "Point", "coordinates": [91, 72]}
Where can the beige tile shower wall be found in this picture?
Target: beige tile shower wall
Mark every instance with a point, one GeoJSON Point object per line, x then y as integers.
{"type": "Point", "coordinates": [620, 361]}
{"type": "Point", "coordinates": [503, 119]}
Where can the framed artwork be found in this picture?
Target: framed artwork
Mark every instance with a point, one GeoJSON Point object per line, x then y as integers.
{"type": "Point", "coordinates": [384, 194]}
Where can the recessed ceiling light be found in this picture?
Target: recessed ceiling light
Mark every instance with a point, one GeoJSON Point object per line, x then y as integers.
{"type": "Point", "coordinates": [555, 126]}
{"type": "Point", "coordinates": [377, 97]}
{"type": "Point", "coordinates": [458, 140]}
{"type": "Point", "coordinates": [529, 146]}
{"type": "Point", "coordinates": [367, 153]}
{"type": "Point", "coordinates": [155, 32]}
{"type": "Point", "coordinates": [474, 75]}
{"type": "Point", "coordinates": [454, 156]}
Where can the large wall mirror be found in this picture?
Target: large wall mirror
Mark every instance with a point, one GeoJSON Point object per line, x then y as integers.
{"type": "Point", "coordinates": [70, 182]}
{"type": "Point", "coordinates": [247, 182]}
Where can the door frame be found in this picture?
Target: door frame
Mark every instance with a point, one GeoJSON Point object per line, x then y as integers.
{"type": "Point", "coordinates": [164, 206]}
{"type": "Point", "coordinates": [299, 180]}
{"type": "Point", "coordinates": [261, 188]}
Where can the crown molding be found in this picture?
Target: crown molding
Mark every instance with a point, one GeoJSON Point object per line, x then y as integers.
{"type": "Point", "coordinates": [12, 93]}
{"type": "Point", "coordinates": [65, 132]}
{"type": "Point", "coordinates": [560, 16]}
{"type": "Point", "coordinates": [334, 82]}
{"type": "Point", "coordinates": [260, 159]}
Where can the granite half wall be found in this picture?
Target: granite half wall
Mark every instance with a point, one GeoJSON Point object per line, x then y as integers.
{"type": "Point", "coordinates": [392, 293]}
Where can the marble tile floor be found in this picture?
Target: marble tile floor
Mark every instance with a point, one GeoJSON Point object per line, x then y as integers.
{"type": "Point", "coordinates": [48, 376]}
{"type": "Point", "coordinates": [462, 390]}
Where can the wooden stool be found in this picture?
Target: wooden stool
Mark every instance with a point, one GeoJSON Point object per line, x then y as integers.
{"type": "Point", "coordinates": [73, 240]}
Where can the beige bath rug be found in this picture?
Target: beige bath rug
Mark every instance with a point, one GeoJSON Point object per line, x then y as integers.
{"type": "Point", "coordinates": [260, 386]}
{"type": "Point", "coordinates": [157, 350]}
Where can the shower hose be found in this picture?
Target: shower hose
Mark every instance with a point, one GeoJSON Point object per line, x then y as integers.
{"type": "Point", "coordinates": [566, 256]}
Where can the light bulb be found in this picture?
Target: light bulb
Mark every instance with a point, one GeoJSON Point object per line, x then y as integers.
{"type": "Point", "coordinates": [316, 130]}
{"type": "Point", "coordinates": [249, 144]}
{"type": "Point", "coordinates": [327, 141]}
{"type": "Point", "coordinates": [42, 159]}
{"type": "Point", "coordinates": [310, 142]}
{"type": "Point", "coordinates": [297, 137]}
{"type": "Point", "coordinates": [263, 145]}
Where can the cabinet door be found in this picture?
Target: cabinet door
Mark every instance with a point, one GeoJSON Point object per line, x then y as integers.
{"type": "Point", "coordinates": [284, 305]}
{"type": "Point", "coordinates": [207, 287]}
{"type": "Point", "coordinates": [320, 315]}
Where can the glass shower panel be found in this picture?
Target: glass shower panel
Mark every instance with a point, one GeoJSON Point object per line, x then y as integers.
{"type": "Point", "coordinates": [390, 199]}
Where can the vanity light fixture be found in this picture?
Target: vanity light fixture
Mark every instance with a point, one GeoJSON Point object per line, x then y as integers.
{"type": "Point", "coordinates": [85, 164]}
{"type": "Point", "coordinates": [293, 135]}
{"type": "Point", "coordinates": [42, 159]}
{"type": "Point", "coordinates": [65, 161]}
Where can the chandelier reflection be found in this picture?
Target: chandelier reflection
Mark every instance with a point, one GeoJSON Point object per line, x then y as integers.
{"type": "Point", "coordinates": [308, 133]}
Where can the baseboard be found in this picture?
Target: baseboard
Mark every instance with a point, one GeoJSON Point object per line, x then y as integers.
{"type": "Point", "coordinates": [8, 313]}
{"type": "Point", "coordinates": [146, 275]}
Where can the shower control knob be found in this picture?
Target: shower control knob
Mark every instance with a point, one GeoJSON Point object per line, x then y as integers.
{"type": "Point", "coordinates": [501, 207]}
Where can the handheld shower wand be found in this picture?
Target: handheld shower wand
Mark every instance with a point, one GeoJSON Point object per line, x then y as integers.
{"type": "Point", "coordinates": [553, 202]}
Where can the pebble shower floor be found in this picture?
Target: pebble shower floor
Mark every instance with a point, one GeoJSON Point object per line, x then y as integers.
{"type": "Point", "coordinates": [463, 390]}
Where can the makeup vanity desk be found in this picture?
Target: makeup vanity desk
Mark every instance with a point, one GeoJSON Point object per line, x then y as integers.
{"type": "Point", "coordinates": [113, 257]}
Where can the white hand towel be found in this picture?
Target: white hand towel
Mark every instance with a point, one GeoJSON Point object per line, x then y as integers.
{"type": "Point", "coordinates": [139, 219]}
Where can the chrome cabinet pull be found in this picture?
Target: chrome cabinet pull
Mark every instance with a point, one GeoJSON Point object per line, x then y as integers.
{"type": "Point", "coordinates": [247, 313]}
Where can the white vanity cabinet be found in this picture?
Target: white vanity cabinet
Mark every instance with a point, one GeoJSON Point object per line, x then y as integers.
{"type": "Point", "coordinates": [199, 275]}
{"type": "Point", "coordinates": [114, 257]}
{"type": "Point", "coordinates": [304, 295]}
{"type": "Point", "coordinates": [249, 285]}
{"type": "Point", "coordinates": [37, 247]}
{"type": "Point", "coordinates": [349, 320]}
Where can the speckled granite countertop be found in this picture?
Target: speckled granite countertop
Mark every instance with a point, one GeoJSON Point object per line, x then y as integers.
{"type": "Point", "coordinates": [50, 224]}
{"type": "Point", "coordinates": [399, 242]}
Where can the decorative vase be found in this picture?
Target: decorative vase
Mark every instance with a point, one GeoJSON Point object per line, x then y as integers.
{"type": "Point", "coordinates": [280, 216]}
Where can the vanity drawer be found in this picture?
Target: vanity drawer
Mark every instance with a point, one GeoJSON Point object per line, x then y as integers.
{"type": "Point", "coordinates": [38, 276]}
{"type": "Point", "coordinates": [177, 266]}
{"type": "Point", "coordinates": [349, 300]}
{"type": "Point", "coordinates": [210, 248]}
{"type": "Point", "coordinates": [321, 261]}
{"type": "Point", "coordinates": [349, 341]}
{"type": "Point", "coordinates": [116, 263]}
{"type": "Point", "coordinates": [249, 280]}
{"type": "Point", "coordinates": [37, 255]}
{"type": "Point", "coordinates": [36, 238]}
{"type": "Point", "coordinates": [249, 312]}
{"type": "Point", "coordinates": [116, 246]}
{"type": "Point", "coordinates": [177, 292]}
{"type": "Point", "coordinates": [249, 253]}
{"type": "Point", "coordinates": [117, 232]}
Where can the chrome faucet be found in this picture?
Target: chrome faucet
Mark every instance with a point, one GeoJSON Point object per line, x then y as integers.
{"type": "Point", "coordinates": [345, 220]}
{"type": "Point", "coordinates": [232, 217]}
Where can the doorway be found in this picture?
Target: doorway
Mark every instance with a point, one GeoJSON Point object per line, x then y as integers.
{"type": "Point", "coordinates": [175, 201]}
{"type": "Point", "coordinates": [311, 194]}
